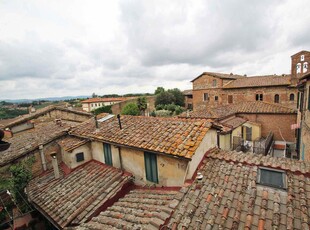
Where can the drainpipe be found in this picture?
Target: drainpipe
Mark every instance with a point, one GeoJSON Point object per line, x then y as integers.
{"type": "Point", "coordinates": [42, 157]}
{"type": "Point", "coordinates": [55, 165]}
{"type": "Point", "coordinates": [120, 157]}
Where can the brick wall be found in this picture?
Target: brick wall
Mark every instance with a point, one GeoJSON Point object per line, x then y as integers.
{"type": "Point", "coordinates": [296, 58]}
{"type": "Point", "coordinates": [117, 108]}
{"type": "Point", "coordinates": [274, 122]}
{"type": "Point", "coordinates": [246, 94]}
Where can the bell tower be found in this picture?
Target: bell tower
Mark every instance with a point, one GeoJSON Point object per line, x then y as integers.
{"type": "Point", "coordinates": [300, 64]}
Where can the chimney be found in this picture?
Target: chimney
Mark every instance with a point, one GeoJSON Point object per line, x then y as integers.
{"type": "Point", "coordinates": [119, 121]}
{"type": "Point", "coordinates": [8, 133]}
{"type": "Point", "coordinates": [96, 122]}
{"type": "Point", "coordinates": [58, 122]}
{"type": "Point", "coordinates": [55, 165]}
{"type": "Point", "coordinates": [41, 150]}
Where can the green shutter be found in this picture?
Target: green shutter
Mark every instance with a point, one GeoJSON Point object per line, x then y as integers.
{"type": "Point", "coordinates": [151, 172]}
{"type": "Point", "coordinates": [107, 154]}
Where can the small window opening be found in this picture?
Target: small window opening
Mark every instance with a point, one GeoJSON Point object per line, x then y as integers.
{"type": "Point", "coordinates": [276, 98]}
{"type": "Point", "coordinates": [205, 96]}
{"type": "Point", "coordinates": [79, 157]}
{"type": "Point", "coordinates": [216, 98]}
{"type": "Point", "coordinates": [259, 97]}
{"type": "Point", "coordinates": [214, 83]}
{"type": "Point", "coordinates": [292, 97]}
{"type": "Point", "coordinates": [272, 178]}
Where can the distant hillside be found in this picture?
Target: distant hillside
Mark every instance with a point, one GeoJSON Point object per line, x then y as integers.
{"type": "Point", "coordinates": [45, 99]}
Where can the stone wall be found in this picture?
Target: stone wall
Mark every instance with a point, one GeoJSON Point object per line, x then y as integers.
{"type": "Point", "coordinates": [117, 108]}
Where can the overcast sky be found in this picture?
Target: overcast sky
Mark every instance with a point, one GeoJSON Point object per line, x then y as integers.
{"type": "Point", "coordinates": [61, 48]}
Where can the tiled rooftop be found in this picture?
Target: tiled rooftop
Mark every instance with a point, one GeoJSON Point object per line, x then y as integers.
{"type": "Point", "coordinates": [74, 198]}
{"type": "Point", "coordinates": [179, 137]}
{"type": "Point", "coordinates": [69, 143]}
{"type": "Point", "coordinates": [228, 196]}
{"type": "Point", "coordinates": [221, 75]}
{"type": "Point", "coordinates": [29, 140]}
{"type": "Point", "coordinates": [100, 99]}
{"type": "Point", "coordinates": [41, 112]}
{"type": "Point", "coordinates": [243, 107]}
{"type": "Point", "coordinates": [233, 122]}
{"type": "Point", "coordinates": [139, 209]}
{"type": "Point", "coordinates": [259, 81]}
{"type": "Point", "coordinates": [187, 92]}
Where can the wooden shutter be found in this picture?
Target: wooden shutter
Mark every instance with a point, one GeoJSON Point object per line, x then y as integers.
{"type": "Point", "coordinates": [107, 154]}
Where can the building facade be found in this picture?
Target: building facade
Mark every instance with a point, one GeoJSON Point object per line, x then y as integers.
{"type": "Point", "coordinates": [213, 89]}
{"type": "Point", "coordinates": [95, 103]}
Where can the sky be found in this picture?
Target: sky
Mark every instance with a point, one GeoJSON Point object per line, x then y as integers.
{"type": "Point", "coordinates": [69, 48]}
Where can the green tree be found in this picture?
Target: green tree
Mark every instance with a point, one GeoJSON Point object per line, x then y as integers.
{"type": "Point", "coordinates": [159, 90]}
{"type": "Point", "coordinates": [164, 98]}
{"type": "Point", "coordinates": [103, 109]}
{"type": "Point", "coordinates": [179, 97]}
{"type": "Point", "coordinates": [131, 109]}
{"type": "Point", "coordinates": [142, 105]}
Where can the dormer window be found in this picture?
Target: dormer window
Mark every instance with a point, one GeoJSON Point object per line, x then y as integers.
{"type": "Point", "coordinates": [298, 68]}
{"type": "Point", "coordinates": [305, 67]}
{"type": "Point", "coordinates": [271, 177]}
{"type": "Point", "coordinates": [302, 57]}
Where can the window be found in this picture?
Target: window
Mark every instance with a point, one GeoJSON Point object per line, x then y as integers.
{"type": "Point", "coordinates": [189, 106]}
{"type": "Point", "coordinates": [189, 96]}
{"type": "Point", "coordinates": [79, 157]}
{"type": "Point", "coordinates": [259, 97]}
{"type": "Point", "coordinates": [150, 160]}
{"type": "Point", "coordinates": [214, 83]}
{"type": "Point", "coordinates": [298, 68]}
{"type": "Point", "coordinates": [107, 154]}
{"type": "Point", "coordinates": [216, 98]}
{"type": "Point", "coordinates": [305, 67]}
{"type": "Point", "coordinates": [292, 97]}
{"type": "Point", "coordinates": [276, 98]}
{"type": "Point", "coordinates": [302, 57]}
{"type": "Point", "coordinates": [272, 177]}
{"type": "Point", "coordinates": [205, 96]}
{"type": "Point", "coordinates": [230, 99]}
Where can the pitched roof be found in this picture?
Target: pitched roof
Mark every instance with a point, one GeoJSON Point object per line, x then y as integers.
{"type": "Point", "coordinates": [29, 140]}
{"type": "Point", "coordinates": [76, 197]}
{"type": "Point", "coordinates": [233, 122]}
{"type": "Point", "coordinates": [174, 136]}
{"type": "Point", "coordinates": [187, 92]}
{"type": "Point", "coordinates": [228, 196]}
{"type": "Point", "coordinates": [254, 107]}
{"type": "Point", "coordinates": [69, 143]}
{"type": "Point", "coordinates": [100, 99]}
{"type": "Point", "coordinates": [220, 75]}
{"type": "Point", "coordinates": [41, 112]}
{"type": "Point", "coordinates": [259, 81]}
{"type": "Point", "coordinates": [139, 209]}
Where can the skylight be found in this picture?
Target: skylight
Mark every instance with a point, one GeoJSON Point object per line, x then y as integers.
{"type": "Point", "coordinates": [272, 178]}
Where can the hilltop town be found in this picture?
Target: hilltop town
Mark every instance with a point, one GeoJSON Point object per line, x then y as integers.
{"type": "Point", "coordinates": [232, 152]}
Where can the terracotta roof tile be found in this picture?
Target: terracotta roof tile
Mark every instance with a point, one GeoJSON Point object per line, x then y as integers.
{"type": "Point", "coordinates": [75, 197]}
{"type": "Point", "coordinates": [29, 140]}
{"type": "Point", "coordinates": [69, 143]}
{"type": "Point", "coordinates": [175, 136]}
{"type": "Point", "coordinates": [228, 196]}
{"type": "Point", "coordinates": [221, 75]}
{"type": "Point", "coordinates": [243, 107]}
{"type": "Point", "coordinates": [100, 99]}
{"type": "Point", "coordinates": [41, 112]}
{"type": "Point", "coordinates": [259, 81]}
{"type": "Point", "coordinates": [139, 209]}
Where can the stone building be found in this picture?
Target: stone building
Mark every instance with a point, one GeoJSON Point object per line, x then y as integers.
{"type": "Point", "coordinates": [212, 89]}
{"type": "Point", "coordinates": [303, 122]}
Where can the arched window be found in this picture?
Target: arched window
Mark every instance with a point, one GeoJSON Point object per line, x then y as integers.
{"type": "Point", "coordinates": [305, 67]}
{"type": "Point", "coordinates": [292, 97]}
{"type": "Point", "coordinates": [298, 68]}
{"type": "Point", "coordinates": [276, 98]}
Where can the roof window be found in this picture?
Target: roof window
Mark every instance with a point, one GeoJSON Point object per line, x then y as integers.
{"type": "Point", "coordinates": [272, 178]}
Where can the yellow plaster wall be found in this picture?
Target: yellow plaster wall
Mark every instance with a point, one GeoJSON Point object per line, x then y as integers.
{"type": "Point", "coordinates": [225, 143]}
{"type": "Point", "coordinates": [209, 141]}
{"type": "Point", "coordinates": [69, 158]}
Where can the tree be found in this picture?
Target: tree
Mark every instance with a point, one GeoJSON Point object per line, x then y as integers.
{"type": "Point", "coordinates": [179, 97]}
{"type": "Point", "coordinates": [142, 105]}
{"type": "Point", "coordinates": [164, 98]}
{"type": "Point", "coordinates": [103, 109]}
{"type": "Point", "coordinates": [131, 109]}
{"type": "Point", "coordinates": [159, 90]}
